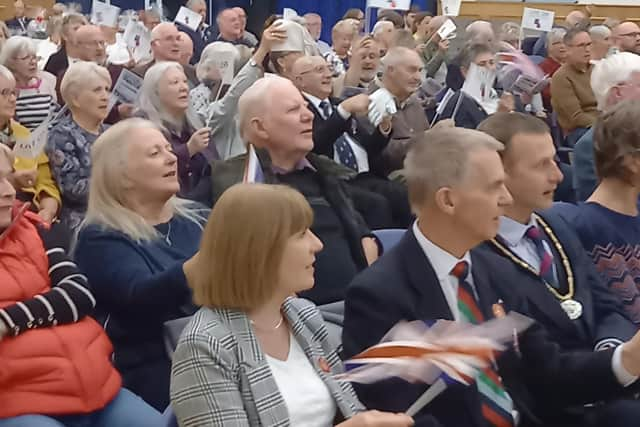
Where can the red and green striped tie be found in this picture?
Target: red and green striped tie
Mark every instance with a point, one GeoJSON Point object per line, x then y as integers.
{"type": "Point", "coordinates": [496, 404]}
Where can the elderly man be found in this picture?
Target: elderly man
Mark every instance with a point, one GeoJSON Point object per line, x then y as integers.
{"type": "Point", "coordinates": [480, 32]}
{"type": "Point", "coordinates": [203, 35]}
{"type": "Point", "coordinates": [70, 51]}
{"type": "Point", "coordinates": [401, 76]}
{"type": "Point", "coordinates": [457, 190]}
{"type": "Point", "coordinates": [626, 37]}
{"type": "Point", "coordinates": [249, 38]}
{"type": "Point", "coordinates": [613, 79]}
{"type": "Point", "coordinates": [341, 37]}
{"type": "Point", "coordinates": [571, 95]}
{"type": "Point", "coordinates": [230, 27]}
{"type": "Point", "coordinates": [313, 22]}
{"type": "Point", "coordinates": [186, 49]}
{"type": "Point", "coordinates": [601, 39]}
{"type": "Point", "coordinates": [18, 25]}
{"type": "Point", "coordinates": [282, 133]}
{"type": "Point", "coordinates": [435, 50]}
{"type": "Point", "coordinates": [165, 46]}
{"type": "Point", "coordinates": [150, 19]}
{"type": "Point", "coordinates": [385, 34]}
{"type": "Point", "coordinates": [577, 19]}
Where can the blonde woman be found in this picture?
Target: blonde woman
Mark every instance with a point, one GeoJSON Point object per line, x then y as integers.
{"type": "Point", "coordinates": [254, 355]}
{"type": "Point", "coordinates": [132, 247]}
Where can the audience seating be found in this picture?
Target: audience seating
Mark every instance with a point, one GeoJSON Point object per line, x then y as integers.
{"type": "Point", "coordinates": [169, 418]}
{"type": "Point", "coordinates": [389, 237]}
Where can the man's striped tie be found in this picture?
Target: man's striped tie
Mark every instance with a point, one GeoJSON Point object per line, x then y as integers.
{"type": "Point", "coordinates": [546, 258]}
{"type": "Point", "coordinates": [496, 404]}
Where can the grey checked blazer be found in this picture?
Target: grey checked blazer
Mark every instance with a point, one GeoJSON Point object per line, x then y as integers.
{"type": "Point", "coordinates": [220, 376]}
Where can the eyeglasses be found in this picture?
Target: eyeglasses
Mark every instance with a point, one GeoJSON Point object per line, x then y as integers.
{"type": "Point", "coordinates": [27, 58]}
{"type": "Point", "coordinates": [7, 93]}
{"type": "Point", "coordinates": [320, 69]}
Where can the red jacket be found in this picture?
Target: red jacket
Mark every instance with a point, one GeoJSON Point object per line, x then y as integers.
{"type": "Point", "coordinates": [54, 370]}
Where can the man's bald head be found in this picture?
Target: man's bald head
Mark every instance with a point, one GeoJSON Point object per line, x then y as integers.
{"type": "Point", "coordinates": [186, 48]}
{"type": "Point", "coordinates": [311, 74]}
{"type": "Point", "coordinates": [576, 18]}
{"type": "Point", "coordinates": [92, 43]}
{"type": "Point", "coordinates": [480, 32]}
{"type": "Point", "coordinates": [626, 37]}
{"type": "Point", "coordinates": [242, 15]}
{"type": "Point", "coordinates": [165, 42]}
{"type": "Point", "coordinates": [229, 24]}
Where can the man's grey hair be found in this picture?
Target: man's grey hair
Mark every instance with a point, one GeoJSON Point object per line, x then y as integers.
{"type": "Point", "coordinates": [210, 54]}
{"type": "Point", "coordinates": [395, 56]}
{"type": "Point", "coordinates": [599, 32]}
{"type": "Point", "coordinates": [379, 27]}
{"type": "Point", "coordinates": [253, 100]}
{"type": "Point", "coordinates": [15, 46]}
{"type": "Point", "coordinates": [478, 28]}
{"type": "Point", "coordinates": [193, 3]}
{"type": "Point", "coordinates": [439, 158]}
{"type": "Point", "coordinates": [612, 71]}
{"type": "Point", "coordinates": [556, 34]}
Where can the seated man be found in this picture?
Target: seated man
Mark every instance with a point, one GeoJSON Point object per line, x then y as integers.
{"type": "Point", "coordinates": [571, 95]}
{"type": "Point", "coordinates": [338, 57]}
{"type": "Point", "coordinates": [608, 224]}
{"type": "Point", "coordinates": [363, 66]}
{"type": "Point", "coordinates": [626, 37]}
{"type": "Point", "coordinates": [282, 133]}
{"type": "Point", "coordinates": [18, 25]}
{"type": "Point", "coordinates": [313, 22]}
{"type": "Point", "coordinates": [613, 79]}
{"type": "Point", "coordinates": [337, 135]}
{"type": "Point", "coordinates": [456, 186]}
{"type": "Point", "coordinates": [203, 35]}
{"type": "Point", "coordinates": [230, 28]}
{"type": "Point", "coordinates": [554, 274]}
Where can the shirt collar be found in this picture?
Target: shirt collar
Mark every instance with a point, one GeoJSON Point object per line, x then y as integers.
{"type": "Point", "coordinates": [513, 231]}
{"type": "Point", "coordinates": [314, 100]}
{"type": "Point", "coordinates": [301, 165]}
{"type": "Point", "coordinates": [441, 260]}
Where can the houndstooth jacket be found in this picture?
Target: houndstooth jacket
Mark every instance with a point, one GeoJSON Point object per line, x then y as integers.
{"type": "Point", "coordinates": [220, 376]}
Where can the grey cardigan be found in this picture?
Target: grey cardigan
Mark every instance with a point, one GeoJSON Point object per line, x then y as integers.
{"type": "Point", "coordinates": [220, 376]}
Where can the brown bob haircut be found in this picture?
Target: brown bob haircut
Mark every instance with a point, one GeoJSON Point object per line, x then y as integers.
{"type": "Point", "coordinates": [616, 135]}
{"type": "Point", "coordinates": [504, 126]}
{"type": "Point", "coordinates": [242, 245]}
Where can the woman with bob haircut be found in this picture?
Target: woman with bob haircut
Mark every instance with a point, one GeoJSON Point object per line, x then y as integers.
{"type": "Point", "coordinates": [254, 354]}
{"type": "Point", "coordinates": [132, 246]}
{"type": "Point", "coordinates": [56, 368]}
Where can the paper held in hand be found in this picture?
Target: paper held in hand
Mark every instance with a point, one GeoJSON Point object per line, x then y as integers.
{"type": "Point", "coordinates": [188, 18]}
{"type": "Point", "coordinates": [32, 147]}
{"type": "Point", "coordinates": [537, 19]}
{"type": "Point", "coordinates": [390, 4]}
{"type": "Point", "coordinates": [126, 88]}
{"type": "Point", "coordinates": [105, 14]}
{"type": "Point", "coordinates": [138, 40]}
{"type": "Point", "coordinates": [451, 7]}
{"type": "Point", "coordinates": [447, 30]}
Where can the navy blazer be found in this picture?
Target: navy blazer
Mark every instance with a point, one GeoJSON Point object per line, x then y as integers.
{"type": "Point", "coordinates": [199, 42]}
{"type": "Point", "coordinates": [603, 321]}
{"type": "Point", "coordinates": [327, 131]}
{"type": "Point", "coordinates": [541, 379]}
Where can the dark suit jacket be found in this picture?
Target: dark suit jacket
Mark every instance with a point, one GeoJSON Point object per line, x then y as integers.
{"type": "Point", "coordinates": [326, 132]}
{"type": "Point", "coordinates": [58, 62]}
{"type": "Point", "coordinates": [469, 113]}
{"type": "Point", "coordinates": [602, 320]}
{"type": "Point", "coordinates": [540, 379]}
{"type": "Point", "coordinates": [199, 42]}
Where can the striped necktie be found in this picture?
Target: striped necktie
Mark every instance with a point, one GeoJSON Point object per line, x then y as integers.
{"type": "Point", "coordinates": [546, 258]}
{"type": "Point", "coordinates": [343, 149]}
{"type": "Point", "coordinates": [495, 402]}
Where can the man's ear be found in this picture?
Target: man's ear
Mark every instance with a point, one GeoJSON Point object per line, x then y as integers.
{"type": "Point", "coordinates": [446, 200]}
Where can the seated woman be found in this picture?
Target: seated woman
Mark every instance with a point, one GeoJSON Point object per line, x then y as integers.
{"type": "Point", "coordinates": [136, 237]}
{"type": "Point", "coordinates": [37, 97]}
{"type": "Point", "coordinates": [164, 100]}
{"type": "Point", "coordinates": [56, 360]}
{"type": "Point", "coordinates": [473, 78]}
{"type": "Point", "coordinates": [85, 89]}
{"type": "Point", "coordinates": [556, 55]}
{"type": "Point", "coordinates": [33, 176]}
{"type": "Point", "coordinates": [254, 355]}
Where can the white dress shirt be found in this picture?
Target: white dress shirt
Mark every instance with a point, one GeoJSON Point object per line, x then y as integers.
{"type": "Point", "coordinates": [443, 263]}
{"type": "Point", "coordinates": [513, 232]}
{"type": "Point", "coordinates": [362, 158]}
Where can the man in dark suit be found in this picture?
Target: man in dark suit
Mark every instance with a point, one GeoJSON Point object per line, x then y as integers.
{"type": "Point", "coordinates": [338, 135]}
{"type": "Point", "coordinates": [70, 51]}
{"type": "Point", "coordinates": [18, 25]}
{"type": "Point", "coordinates": [558, 278]}
{"type": "Point", "coordinates": [456, 186]}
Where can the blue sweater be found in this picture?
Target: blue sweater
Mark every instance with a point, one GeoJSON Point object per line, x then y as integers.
{"type": "Point", "coordinates": [138, 287]}
{"type": "Point", "coordinates": [613, 241]}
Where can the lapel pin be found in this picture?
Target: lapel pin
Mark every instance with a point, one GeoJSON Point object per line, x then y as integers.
{"type": "Point", "coordinates": [498, 310]}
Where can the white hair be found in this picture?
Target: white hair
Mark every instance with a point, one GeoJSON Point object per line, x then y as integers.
{"type": "Point", "coordinates": [109, 162]}
{"type": "Point", "coordinates": [395, 56]}
{"type": "Point", "coordinates": [79, 76]}
{"type": "Point", "coordinates": [210, 54]}
{"type": "Point", "coordinates": [192, 3]}
{"type": "Point", "coordinates": [379, 27]}
{"type": "Point", "coordinates": [253, 99]}
{"type": "Point", "coordinates": [556, 33]}
{"type": "Point", "coordinates": [13, 47]}
{"type": "Point", "coordinates": [6, 73]}
{"type": "Point", "coordinates": [477, 27]}
{"type": "Point", "coordinates": [149, 98]}
{"type": "Point", "coordinates": [599, 32]}
{"type": "Point", "coordinates": [610, 72]}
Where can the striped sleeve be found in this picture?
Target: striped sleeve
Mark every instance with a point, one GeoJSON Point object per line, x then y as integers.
{"type": "Point", "coordinates": [68, 301]}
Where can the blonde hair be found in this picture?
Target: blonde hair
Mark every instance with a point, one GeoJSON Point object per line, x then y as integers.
{"type": "Point", "coordinates": [79, 76]}
{"type": "Point", "coordinates": [109, 161]}
{"type": "Point", "coordinates": [238, 264]}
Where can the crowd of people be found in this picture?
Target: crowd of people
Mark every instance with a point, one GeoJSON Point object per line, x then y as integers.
{"type": "Point", "coordinates": [246, 193]}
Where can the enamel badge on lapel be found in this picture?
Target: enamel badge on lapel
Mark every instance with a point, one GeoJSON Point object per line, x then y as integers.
{"type": "Point", "coordinates": [324, 365]}
{"type": "Point", "coordinates": [498, 310]}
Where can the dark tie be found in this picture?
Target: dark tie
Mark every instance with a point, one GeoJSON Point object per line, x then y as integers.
{"type": "Point", "coordinates": [342, 146]}
{"type": "Point", "coordinates": [496, 404]}
{"type": "Point", "coordinates": [546, 258]}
